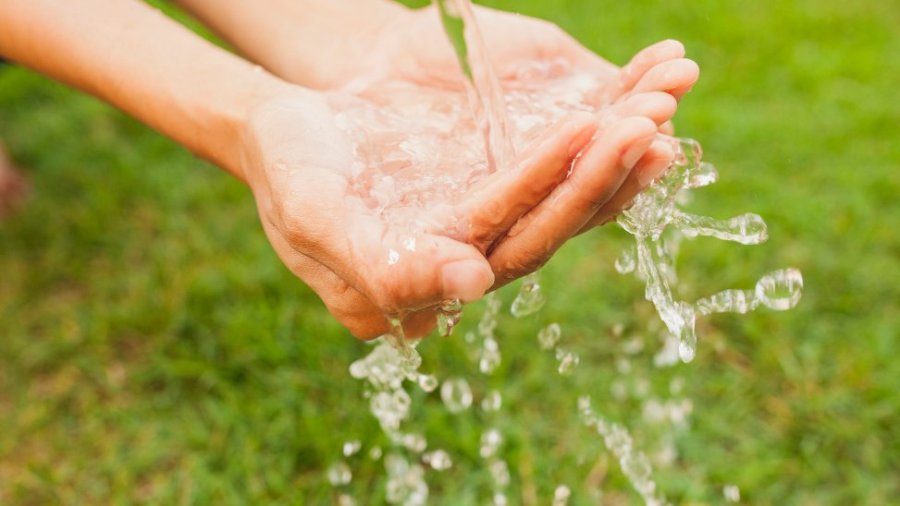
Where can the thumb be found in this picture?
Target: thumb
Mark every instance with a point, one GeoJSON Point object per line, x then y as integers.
{"type": "Point", "coordinates": [407, 272]}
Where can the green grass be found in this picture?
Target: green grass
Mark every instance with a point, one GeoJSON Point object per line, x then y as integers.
{"type": "Point", "coordinates": [153, 350]}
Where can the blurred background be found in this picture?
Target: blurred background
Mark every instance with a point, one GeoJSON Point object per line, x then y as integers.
{"type": "Point", "coordinates": [154, 350]}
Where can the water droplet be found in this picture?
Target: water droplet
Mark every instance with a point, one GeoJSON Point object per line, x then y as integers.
{"type": "Point", "coordinates": [492, 401]}
{"type": "Point", "coordinates": [346, 500]}
{"type": "Point", "coordinates": [448, 316]}
{"type": "Point", "coordinates": [625, 262]}
{"type": "Point", "coordinates": [561, 495]}
{"type": "Point", "coordinates": [456, 394]}
{"type": "Point", "coordinates": [439, 460]}
{"type": "Point", "coordinates": [686, 351]}
{"type": "Point", "coordinates": [375, 453]}
{"type": "Point", "coordinates": [491, 440]}
{"type": "Point", "coordinates": [500, 499]}
{"type": "Point", "coordinates": [490, 356]}
{"type": "Point", "coordinates": [568, 361]}
{"type": "Point", "coordinates": [732, 493]}
{"type": "Point", "coordinates": [427, 382]}
{"type": "Point", "coordinates": [780, 290]}
{"type": "Point", "coordinates": [530, 299]}
{"type": "Point", "coordinates": [393, 257]}
{"type": "Point", "coordinates": [409, 244]}
{"type": "Point", "coordinates": [351, 447]}
{"type": "Point", "coordinates": [499, 473]}
{"type": "Point", "coordinates": [413, 442]}
{"type": "Point", "coordinates": [359, 369]}
{"type": "Point", "coordinates": [339, 474]}
{"type": "Point", "coordinates": [549, 336]}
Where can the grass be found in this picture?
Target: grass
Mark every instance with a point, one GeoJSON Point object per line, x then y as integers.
{"type": "Point", "coordinates": [153, 350]}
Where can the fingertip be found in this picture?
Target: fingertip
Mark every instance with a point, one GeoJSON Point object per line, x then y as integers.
{"type": "Point", "coordinates": [672, 47]}
{"type": "Point", "coordinates": [637, 134]}
{"type": "Point", "coordinates": [654, 164]}
{"type": "Point", "coordinates": [467, 279]}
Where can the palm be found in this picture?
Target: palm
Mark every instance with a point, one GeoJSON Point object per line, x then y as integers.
{"type": "Point", "coordinates": [314, 210]}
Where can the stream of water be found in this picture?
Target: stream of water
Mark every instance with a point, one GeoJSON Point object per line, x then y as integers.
{"type": "Point", "coordinates": [416, 146]}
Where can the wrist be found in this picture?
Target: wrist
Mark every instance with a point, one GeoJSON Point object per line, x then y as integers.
{"type": "Point", "coordinates": [330, 42]}
{"type": "Point", "coordinates": [235, 119]}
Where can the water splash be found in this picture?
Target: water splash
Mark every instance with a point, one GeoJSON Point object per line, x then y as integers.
{"type": "Point", "coordinates": [561, 495]}
{"type": "Point", "coordinates": [456, 394]}
{"type": "Point", "coordinates": [568, 361]}
{"type": "Point", "coordinates": [633, 462]}
{"type": "Point", "coordinates": [350, 448]}
{"type": "Point", "coordinates": [482, 85]}
{"type": "Point", "coordinates": [449, 314]}
{"type": "Point", "coordinates": [339, 474]}
{"type": "Point", "coordinates": [732, 493]}
{"type": "Point", "coordinates": [530, 298]}
{"type": "Point", "coordinates": [655, 210]}
{"type": "Point", "coordinates": [549, 336]}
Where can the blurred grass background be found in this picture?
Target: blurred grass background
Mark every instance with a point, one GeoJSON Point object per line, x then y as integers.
{"type": "Point", "coordinates": [153, 350]}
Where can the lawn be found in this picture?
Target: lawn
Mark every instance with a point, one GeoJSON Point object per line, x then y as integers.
{"type": "Point", "coordinates": [154, 350]}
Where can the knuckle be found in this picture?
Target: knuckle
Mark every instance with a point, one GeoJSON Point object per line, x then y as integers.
{"type": "Point", "coordinates": [293, 227]}
{"type": "Point", "coordinates": [519, 266]}
{"type": "Point", "coordinates": [388, 294]}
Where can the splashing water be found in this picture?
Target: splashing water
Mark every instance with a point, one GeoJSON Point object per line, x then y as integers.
{"type": "Point", "coordinates": [633, 462]}
{"type": "Point", "coordinates": [655, 210]}
{"type": "Point", "coordinates": [431, 148]}
{"type": "Point", "coordinates": [456, 394]}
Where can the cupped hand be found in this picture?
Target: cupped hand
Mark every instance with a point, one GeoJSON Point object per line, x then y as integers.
{"type": "Point", "coordinates": [641, 97]}
{"type": "Point", "coordinates": [298, 164]}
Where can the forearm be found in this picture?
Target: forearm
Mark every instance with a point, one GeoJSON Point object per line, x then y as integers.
{"type": "Point", "coordinates": [142, 62]}
{"type": "Point", "coordinates": [303, 41]}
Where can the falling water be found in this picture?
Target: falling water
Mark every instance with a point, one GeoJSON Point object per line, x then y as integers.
{"type": "Point", "coordinates": [400, 183]}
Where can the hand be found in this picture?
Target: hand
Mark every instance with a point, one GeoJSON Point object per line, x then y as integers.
{"type": "Point", "coordinates": [625, 159]}
{"type": "Point", "coordinates": [298, 164]}
{"type": "Point", "coordinates": [336, 45]}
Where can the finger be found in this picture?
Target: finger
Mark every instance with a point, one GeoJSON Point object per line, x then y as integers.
{"type": "Point", "coordinates": [595, 178]}
{"type": "Point", "coordinates": [396, 268]}
{"type": "Point", "coordinates": [656, 105]}
{"type": "Point", "coordinates": [675, 77]}
{"type": "Point", "coordinates": [652, 166]}
{"type": "Point", "coordinates": [400, 272]}
{"type": "Point", "coordinates": [635, 70]}
{"type": "Point", "coordinates": [346, 304]}
{"type": "Point", "coordinates": [667, 128]}
{"type": "Point", "coordinates": [491, 210]}
{"type": "Point", "coordinates": [649, 58]}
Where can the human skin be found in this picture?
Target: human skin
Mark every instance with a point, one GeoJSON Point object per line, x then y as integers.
{"type": "Point", "coordinates": [279, 139]}
{"type": "Point", "coordinates": [382, 41]}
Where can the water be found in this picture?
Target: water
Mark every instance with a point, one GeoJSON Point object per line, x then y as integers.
{"type": "Point", "coordinates": [456, 394]}
{"type": "Point", "coordinates": [530, 298]}
{"type": "Point", "coordinates": [561, 495]}
{"type": "Point", "coordinates": [732, 493]}
{"type": "Point", "coordinates": [549, 336]}
{"type": "Point", "coordinates": [439, 460]}
{"type": "Point", "coordinates": [634, 463]}
{"type": "Point", "coordinates": [339, 474]}
{"type": "Point", "coordinates": [416, 147]}
{"type": "Point", "coordinates": [483, 88]}
{"type": "Point", "coordinates": [655, 212]}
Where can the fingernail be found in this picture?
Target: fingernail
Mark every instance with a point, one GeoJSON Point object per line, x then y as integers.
{"type": "Point", "coordinates": [466, 280]}
{"type": "Point", "coordinates": [657, 168]}
{"type": "Point", "coordinates": [652, 172]}
{"type": "Point", "coordinates": [635, 152]}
